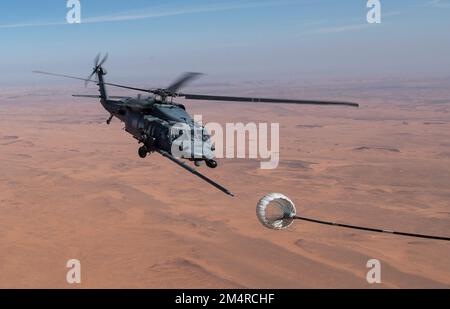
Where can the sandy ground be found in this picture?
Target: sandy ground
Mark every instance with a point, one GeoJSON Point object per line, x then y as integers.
{"type": "Point", "coordinates": [73, 187]}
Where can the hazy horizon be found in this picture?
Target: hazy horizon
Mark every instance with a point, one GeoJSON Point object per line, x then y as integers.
{"type": "Point", "coordinates": [228, 40]}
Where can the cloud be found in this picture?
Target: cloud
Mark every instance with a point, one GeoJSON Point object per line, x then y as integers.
{"type": "Point", "coordinates": [148, 14]}
{"type": "Point", "coordinates": [337, 29]}
{"type": "Point", "coordinates": [350, 26]}
{"type": "Point", "coordinates": [151, 13]}
{"type": "Point", "coordinates": [31, 24]}
{"type": "Point", "coordinates": [392, 13]}
{"type": "Point", "coordinates": [440, 4]}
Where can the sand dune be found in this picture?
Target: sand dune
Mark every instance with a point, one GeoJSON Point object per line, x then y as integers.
{"type": "Point", "coordinates": [72, 187]}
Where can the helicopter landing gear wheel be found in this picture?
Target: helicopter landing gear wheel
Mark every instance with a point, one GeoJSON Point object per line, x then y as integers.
{"type": "Point", "coordinates": [108, 121]}
{"type": "Point", "coordinates": [143, 151]}
{"type": "Point", "coordinates": [211, 163]}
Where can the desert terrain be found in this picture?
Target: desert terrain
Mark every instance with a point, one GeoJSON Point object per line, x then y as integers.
{"type": "Point", "coordinates": [72, 187]}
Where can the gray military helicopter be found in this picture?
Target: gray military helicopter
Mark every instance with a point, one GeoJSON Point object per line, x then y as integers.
{"type": "Point", "coordinates": [154, 121]}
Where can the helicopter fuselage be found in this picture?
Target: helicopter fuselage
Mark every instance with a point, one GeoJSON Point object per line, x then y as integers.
{"type": "Point", "coordinates": [163, 125]}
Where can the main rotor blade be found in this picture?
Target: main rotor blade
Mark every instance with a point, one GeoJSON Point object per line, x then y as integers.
{"type": "Point", "coordinates": [99, 97]}
{"type": "Point", "coordinates": [214, 97]}
{"type": "Point", "coordinates": [131, 88]}
{"type": "Point", "coordinates": [65, 76]}
{"type": "Point", "coordinates": [92, 81]}
{"type": "Point", "coordinates": [195, 172]}
{"type": "Point", "coordinates": [183, 80]}
{"type": "Point", "coordinates": [263, 100]}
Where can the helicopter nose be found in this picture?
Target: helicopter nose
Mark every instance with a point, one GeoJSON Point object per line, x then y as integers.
{"type": "Point", "coordinates": [208, 150]}
{"type": "Point", "coordinates": [208, 153]}
{"type": "Point", "coordinates": [197, 150]}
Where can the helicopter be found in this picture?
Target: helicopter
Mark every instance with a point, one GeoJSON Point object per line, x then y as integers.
{"type": "Point", "coordinates": [154, 120]}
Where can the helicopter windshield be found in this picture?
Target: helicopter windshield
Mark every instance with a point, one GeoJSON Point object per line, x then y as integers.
{"type": "Point", "coordinates": [201, 132]}
{"type": "Point", "coordinates": [173, 113]}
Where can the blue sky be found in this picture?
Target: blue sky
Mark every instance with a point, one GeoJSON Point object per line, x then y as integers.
{"type": "Point", "coordinates": [234, 39]}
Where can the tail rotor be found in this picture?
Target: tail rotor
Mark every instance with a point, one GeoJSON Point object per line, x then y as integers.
{"type": "Point", "coordinates": [97, 67]}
